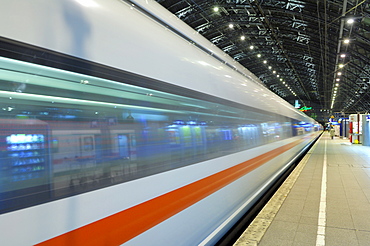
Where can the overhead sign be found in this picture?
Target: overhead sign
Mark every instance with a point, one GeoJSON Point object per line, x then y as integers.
{"type": "Point", "coordinates": [304, 108]}
{"type": "Point", "coordinates": [296, 104]}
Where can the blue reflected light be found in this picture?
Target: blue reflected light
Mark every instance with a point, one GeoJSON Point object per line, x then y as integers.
{"type": "Point", "coordinates": [192, 122]}
{"type": "Point", "coordinates": [178, 122]}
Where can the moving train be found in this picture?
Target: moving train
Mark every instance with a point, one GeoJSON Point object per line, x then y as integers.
{"type": "Point", "coordinates": [120, 125]}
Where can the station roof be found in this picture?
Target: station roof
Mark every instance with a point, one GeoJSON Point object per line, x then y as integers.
{"type": "Point", "coordinates": [306, 50]}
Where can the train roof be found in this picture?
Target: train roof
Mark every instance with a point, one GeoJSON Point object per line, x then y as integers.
{"type": "Point", "coordinates": [146, 40]}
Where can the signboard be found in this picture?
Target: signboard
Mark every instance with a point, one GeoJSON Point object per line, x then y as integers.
{"type": "Point", "coordinates": [304, 108]}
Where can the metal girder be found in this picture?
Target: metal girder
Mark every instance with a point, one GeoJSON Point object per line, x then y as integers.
{"type": "Point", "coordinates": [298, 38]}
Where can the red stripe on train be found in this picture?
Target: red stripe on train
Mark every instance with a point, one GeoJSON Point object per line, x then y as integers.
{"type": "Point", "coordinates": [125, 225]}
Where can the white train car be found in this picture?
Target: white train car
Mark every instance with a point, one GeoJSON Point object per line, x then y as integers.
{"type": "Point", "coordinates": [120, 125]}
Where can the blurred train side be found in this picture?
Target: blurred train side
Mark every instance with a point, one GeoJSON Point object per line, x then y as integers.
{"type": "Point", "coordinates": [172, 115]}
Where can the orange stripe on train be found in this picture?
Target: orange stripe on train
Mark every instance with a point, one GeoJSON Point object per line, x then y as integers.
{"type": "Point", "coordinates": [127, 224]}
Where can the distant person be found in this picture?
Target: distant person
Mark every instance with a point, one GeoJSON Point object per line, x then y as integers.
{"type": "Point", "coordinates": [332, 132]}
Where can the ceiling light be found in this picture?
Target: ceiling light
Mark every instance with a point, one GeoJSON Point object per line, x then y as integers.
{"type": "Point", "coordinates": [265, 61]}
{"type": "Point", "coordinates": [270, 67]}
{"type": "Point", "coordinates": [274, 72]}
{"type": "Point", "coordinates": [242, 37]}
{"type": "Point", "coordinates": [336, 84]}
{"type": "Point", "coordinates": [337, 79]}
{"type": "Point", "coordinates": [87, 3]}
{"type": "Point", "coordinates": [231, 26]}
{"type": "Point", "coordinates": [339, 73]}
{"type": "Point", "coordinates": [251, 47]}
{"type": "Point", "coordinates": [346, 41]}
{"type": "Point", "coordinates": [216, 9]}
{"type": "Point", "coordinates": [258, 55]}
{"type": "Point", "coordinates": [341, 65]}
{"type": "Point", "coordinates": [350, 21]}
{"type": "Point", "coordinates": [342, 55]}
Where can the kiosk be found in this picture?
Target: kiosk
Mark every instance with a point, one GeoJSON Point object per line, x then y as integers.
{"type": "Point", "coordinates": [355, 128]}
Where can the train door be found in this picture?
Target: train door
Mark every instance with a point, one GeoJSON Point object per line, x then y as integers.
{"type": "Point", "coordinates": [186, 140]}
{"type": "Point", "coordinates": [243, 134]}
{"type": "Point", "coordinates": [132, 146]}
{"type": "Point", "coordinates": [123, 146]}
{"type": "Point", "coordinates": [198, 138]}
{"type": "Point", "coordinates": [250, 135]}
{"type": "Point", "coordinates": [87, 146]}
{"type": "Point", "coordinates": [98, 148]}
{"type": "Point", "coordinates": [174, 141]}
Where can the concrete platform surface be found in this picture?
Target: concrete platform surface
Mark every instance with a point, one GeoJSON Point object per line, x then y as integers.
{"type": "Point", "coordinates": [325, 201]}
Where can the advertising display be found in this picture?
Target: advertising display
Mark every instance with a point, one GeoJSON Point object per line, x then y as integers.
{"type": "Point", "coordinates": [26, 156]}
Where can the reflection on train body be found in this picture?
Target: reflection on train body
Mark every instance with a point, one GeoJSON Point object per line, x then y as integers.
{"type": "Point", "coordinates": [104, 133]}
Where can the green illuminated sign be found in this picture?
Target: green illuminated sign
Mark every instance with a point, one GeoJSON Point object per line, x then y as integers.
{"type": "Point", "coordinates": [305, 108]}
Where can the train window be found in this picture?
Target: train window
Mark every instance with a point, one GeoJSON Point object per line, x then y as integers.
{"type": "Point", "coordinates": [64, 133]}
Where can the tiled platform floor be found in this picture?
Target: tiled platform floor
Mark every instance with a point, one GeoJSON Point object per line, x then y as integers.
{"type": "Point", "coordinates": [292, 215]}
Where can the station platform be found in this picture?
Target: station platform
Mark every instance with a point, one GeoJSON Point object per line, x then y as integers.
{"type": "Point", "coordinates": [324, 201]}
